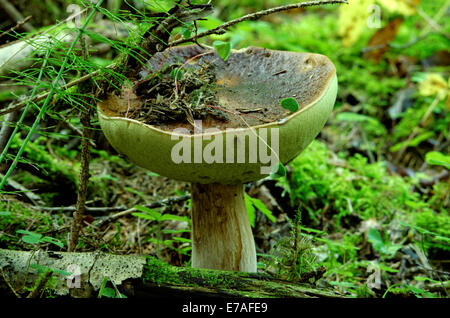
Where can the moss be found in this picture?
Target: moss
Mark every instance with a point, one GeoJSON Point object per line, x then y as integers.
{"type": "Point", "coordinates": [435, 229]}
{"type": "Point", "coordinates": [372, 192]}
{"type": "Point", "coordinates": [253, 285]}
{"type": "Point", "coordinates": [17, 216]}
{"type": "Point", "coordinates": [159, 272]}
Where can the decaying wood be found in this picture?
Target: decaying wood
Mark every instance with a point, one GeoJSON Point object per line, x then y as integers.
{"type": "Point", "coordinates": [22, 269]}
{"type": "Point", "coordinates": [138, 276]}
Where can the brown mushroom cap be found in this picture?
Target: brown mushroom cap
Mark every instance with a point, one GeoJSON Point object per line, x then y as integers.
{"type": "Point", "coordinates": [252, 78]}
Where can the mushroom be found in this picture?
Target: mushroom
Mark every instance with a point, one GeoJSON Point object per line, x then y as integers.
{"type": "Point", "coordinates": [214, 155]}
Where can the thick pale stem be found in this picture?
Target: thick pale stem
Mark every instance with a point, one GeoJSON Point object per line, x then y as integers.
{"type": "Point", "coordinates": [221, 237]}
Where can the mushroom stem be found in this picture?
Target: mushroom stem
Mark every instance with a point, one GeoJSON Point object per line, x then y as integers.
{"type": "Point", "coordinates": [221, 237]}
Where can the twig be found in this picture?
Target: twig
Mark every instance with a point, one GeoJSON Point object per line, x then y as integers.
{"type": "Point", "coordinates": [15, 15]}
{"type": "Point", "coordinates": [85, 158]}
{"type": "Point", "coordinates": [157, 204]}
{"type": "Point", "coordinates": [38, 98]}
{"type": "Point", "coordinates": [254, 16]}
{"type": "Point", "coordinates": [18, 25]}
{"type": "Point", "coordinates": [416, 129]}
{"type": "Point", "coordinates": [98, 210]}
{"type": "Point", "coordinates": [34, 198]}
{"type": "Point", "coordinates": [6, 129]}
{"type": "Point", "coordinates": [185, 63]}
{"type": "Point", "coordinates": [8, 283]}
{"type": "Point", "coordinates": [65, 122]}
{"type": "Point", "coordinates": [239, 114]}
{"type": "Point", "coordinates": [40, 285]}
{"type": "Point", "coordinates": [156, 38]}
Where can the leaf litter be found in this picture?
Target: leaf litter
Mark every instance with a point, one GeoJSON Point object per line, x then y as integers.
{"type": "Point", "coordinates": [178, 94]}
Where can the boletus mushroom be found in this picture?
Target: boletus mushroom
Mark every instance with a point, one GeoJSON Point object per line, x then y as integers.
{"type": "Point", "coordinates": [238, 134]}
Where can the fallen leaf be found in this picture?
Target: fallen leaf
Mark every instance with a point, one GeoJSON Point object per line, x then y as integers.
{"type": "Point", "coordinates": [403, 7]}
{"type": "Point", "coordinates": [379, 42]}
{"type": "Point", "coordinates": [352, 20]}
{"type": "Point", "coordinates": [433, 84]}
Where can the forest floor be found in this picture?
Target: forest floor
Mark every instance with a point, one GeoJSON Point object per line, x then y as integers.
{"type": "Point", "coordinates": [367, 201]}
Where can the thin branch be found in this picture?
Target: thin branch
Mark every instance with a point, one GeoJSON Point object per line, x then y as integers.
{"type": "Point", "coordinates": [6, 129]}
{"type": "Point", "coordinates": [20, 189]}
{"type": "Point", "coordinates": [15, 14]}
{"type": "Point", "coordinates": [18, 25]}
{"type": "Point", "coordinates": [221, 29]}
{"type": "Point", "coordinates": [40, 285]}
{"type": "Point", "coordinates": [97, 210]}
{"type": "Point", "coordinates": [38, 98]}
{"type": "Point", "coordinates": [157, 204]}
{"type": "Point", "coordinates": [416, 129]}
{"type": "Point", "coordinates": [85, 157]}
{"type": "Point", "coordinates": [8, 283]}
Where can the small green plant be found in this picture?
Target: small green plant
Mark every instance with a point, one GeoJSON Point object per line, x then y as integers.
{"type": "Point", "coordinates": [385, 247]}
{"type": "Point", "coordinates": [278, 171]}
{"type": "Point", "coordinates": [153, 215]}
{"type": "Point", "coordinates": [407, 289]}
{"type": "Point", "coordinates": [223, 49]}
{"type": "Point", "coordinates": [252, 204]}
{"type": "Point", "coordinates": [37, 239]}
{"type": "Point", "coordinates": [293, 256]}
{"type": "Point", "coordinates": [438, 158]}
{"type": "Point", "coordinates": [108, 291]}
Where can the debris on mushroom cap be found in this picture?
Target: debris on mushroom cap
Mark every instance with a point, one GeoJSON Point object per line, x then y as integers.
{"type": "Point", "coordinates": [243, 91]}
{"type": "Point", "coordinates": [192, 96]}
{"type": "Point", "coordinates": [250, 84]}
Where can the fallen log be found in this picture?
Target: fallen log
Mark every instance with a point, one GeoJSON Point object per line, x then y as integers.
{"type": "Point", "coordinates": [84, 274]}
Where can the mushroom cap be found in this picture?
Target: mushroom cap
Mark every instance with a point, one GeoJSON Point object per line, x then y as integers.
{"type": "Point", "coordinates": [251, 78]}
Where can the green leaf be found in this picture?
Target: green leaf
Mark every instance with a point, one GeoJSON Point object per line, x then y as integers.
{"type": "Point", "coordinates": [420, 291]}
{"type": "Point", "coordinates": [426, 279]}
{"type": "Point", "coordinates": [166, 231]}
{"type": "Point", "coordinates": [134, 192]}
{"type": "Point", "coordinates": [250, 210]}
{"type": "Point", "coordinates": [278, 171]}
{"type": "Point", "coordinates": [30, 237]}
{"type": "Point", "coordinates": [5, 213]}
{"type": "Point", "coordinates": [387, 268]}
{"type": "Point", "coordinates": [262, 208]}
{"type": "Point", "coordinates": [109, 292]}
{"type": "Point", "coordinates": [102, 287]}
{"type": "Point", "coordinates": [186, 32]}
{"type": "Point", "coordinates": [148, 214]}
{"type": "Point", "coordinates": [181, 239]}
{"type": "Point", "coordinates": [223, 49]}
{"type": "Point", "coordinates": [43, 269]}
{"type": "Point", "coordinates": [175, 73]}
{"type": "Point", "coordinates": [413, 142]}
{"type": "Point", "coordinates": [172, 217]}
{"type": "Point", "coordinates": [438, 158]}
{"type": "Point", "coordinates": [53, 241]}
{"type": "Point", "coordinates": [374, 237]}
{"type": "Point", "coordinates": [353, 117]}
{"type": "Point", "coordinates": [343, 284]}
{"type": "Point", "coordinates": [290, 104]}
